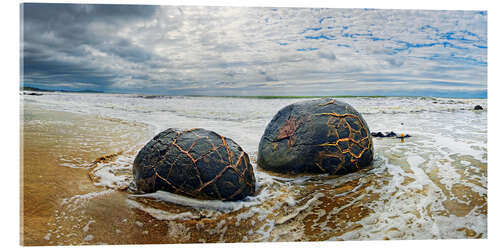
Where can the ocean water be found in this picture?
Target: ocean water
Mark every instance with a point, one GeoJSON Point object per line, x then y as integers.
{"type": "Point", "coordinates": [432, 185]}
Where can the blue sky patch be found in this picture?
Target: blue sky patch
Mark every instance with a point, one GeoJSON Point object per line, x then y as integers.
{"type": "Point", "coordinates": [307, 49]}
{"type": "Point", "coordinates": [310, 29]}
{"type": "Point", "coordinates": [320, 37]}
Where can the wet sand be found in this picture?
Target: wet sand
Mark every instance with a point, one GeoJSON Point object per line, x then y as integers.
{"type": "Point", "coordinates": [58, 149]}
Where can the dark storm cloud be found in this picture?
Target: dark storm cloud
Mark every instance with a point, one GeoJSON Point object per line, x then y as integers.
{"type": "Point", "coordinates": [40, 69]}
{"type": "Point", "coordinates": [70, 22]}
{"type": "Point", "coordinates": [57, 38]}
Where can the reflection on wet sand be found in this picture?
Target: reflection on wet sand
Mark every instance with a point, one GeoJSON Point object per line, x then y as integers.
{"type": "Point", "coordinates": [57, 150]}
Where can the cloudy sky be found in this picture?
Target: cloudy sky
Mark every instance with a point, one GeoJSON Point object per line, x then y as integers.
{"type": "Point", "coordinates": [254, 51]}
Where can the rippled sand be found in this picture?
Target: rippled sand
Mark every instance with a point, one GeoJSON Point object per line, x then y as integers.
{"type": "Point", "coordinates": [58, 150]}
{"type": "Point", "coordinates": [77, 167]}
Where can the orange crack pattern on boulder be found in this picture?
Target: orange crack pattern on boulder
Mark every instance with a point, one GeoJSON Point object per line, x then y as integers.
{"type": "Point", "coordinates": [327, 103]}
{"type": "Point", "coordinates": [355, 143]}
{"type": "Point", "coordinates": [316, 136]}
{"type": "Point", "coordinates": [240, 168]}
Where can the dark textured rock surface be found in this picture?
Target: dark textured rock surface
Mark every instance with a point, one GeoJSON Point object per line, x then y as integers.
{"type": "Point", "coordinates": [403, 136]}
{"type": "Point", "coordinates": [380, 134]}
{"type": "Point", "coordinates": [196, 163]}
{"type": "Point", "coordinates": [478, 107]}
{"type": "Point", "coordinates": [318, 136]}
{"type": "Point", "coordinates": [390, 134]}
{"type": "Point", "coordinates": [35, 94]}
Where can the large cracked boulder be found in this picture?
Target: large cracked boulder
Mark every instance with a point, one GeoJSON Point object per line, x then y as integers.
{"type": "Point", "coordinates": [318, 136]}
{"type": "Point", "coordinates": [197, 163]}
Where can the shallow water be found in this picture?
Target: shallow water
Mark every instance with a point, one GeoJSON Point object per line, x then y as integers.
{"type": "Point", "coordinates": [431, 186]}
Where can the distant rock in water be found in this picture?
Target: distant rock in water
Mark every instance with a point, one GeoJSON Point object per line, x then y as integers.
{"type": "Point", "coordinates": [403, 135]}
{"type": "Point", "coordinates": [390, 134]}
{"type": "Point", "coordinates": [318, 136]}
{"type": "Point", "coordinates": [198, 163]}
{"type": "Point", "coordinates": [478, 107]}
{"type": "Point", "coordinates": [380, 134]}
{"type": "Point", "coordinates": [154, 96]}
{"type": "Point", "coordinates": [32, 93]}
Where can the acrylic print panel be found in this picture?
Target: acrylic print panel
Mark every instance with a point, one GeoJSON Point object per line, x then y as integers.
{"type": "Point", "coordinates": [101, 81]}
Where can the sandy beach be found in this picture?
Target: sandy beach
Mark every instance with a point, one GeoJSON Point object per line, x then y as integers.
{"type": "Point", "coordinates": [78, 151]}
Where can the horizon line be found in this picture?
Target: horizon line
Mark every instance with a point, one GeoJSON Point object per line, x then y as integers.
{"type": "Point", "coordinates": [262, 96]}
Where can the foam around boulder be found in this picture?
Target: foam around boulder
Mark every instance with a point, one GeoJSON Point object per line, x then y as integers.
{"type": "Point", "coordinates": [198, 163]}
{"type": "Point", "coordinates": [318, 136]}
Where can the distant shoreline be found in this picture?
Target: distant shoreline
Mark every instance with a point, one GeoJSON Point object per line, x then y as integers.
{"type": "Point", "coordinates": [237, 96]}
{"type": "Point", "coordinates": [326, 96]}
{"type": "Point", "coordinates": [65, 91]}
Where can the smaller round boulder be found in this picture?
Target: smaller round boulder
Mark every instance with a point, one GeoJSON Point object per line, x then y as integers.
{"type": "Point", "coordinates": [197, 163]}
{"type": "Point", "coordinates": [317, 136]}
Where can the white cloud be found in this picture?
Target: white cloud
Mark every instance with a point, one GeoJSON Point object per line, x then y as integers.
{"type": "Point", "coordinates": [237, 48]}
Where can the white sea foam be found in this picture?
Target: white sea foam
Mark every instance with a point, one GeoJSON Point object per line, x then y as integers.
{"type": "Point", "coordinates": [86, 227]}
{"type": "Point", "coordinates": [160, 214]}
{"type": "Point", "coordinates": [75, 202]}
{"type": "Point", "coordinates": [89, 237]}
{"type": "Point", "coordinates": [116, 173]}
{"type": "Point", "coordinates": [296, 212]}
{"type": "Point", "coordinates": [203, 204]}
